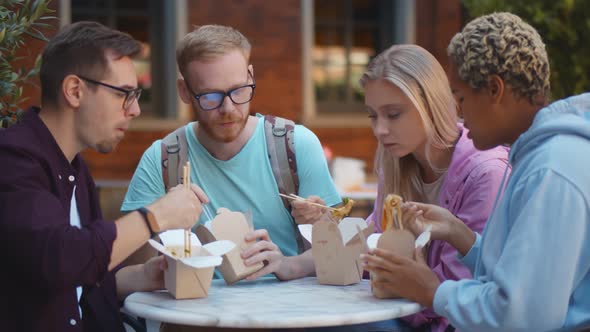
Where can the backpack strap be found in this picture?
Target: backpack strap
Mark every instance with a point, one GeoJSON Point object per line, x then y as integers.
{"type": "Point", "coordinates": [280, 145]}
{"type": "Point", "coordinates": [279, 134]}
{"type": "Point", "coordinates": [281, 153]}
{"type": "Point", "coordinates": [174, 157]}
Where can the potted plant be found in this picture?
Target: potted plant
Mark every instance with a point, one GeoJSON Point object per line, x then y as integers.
{"type": "Point", "coordinates": [19, 19]}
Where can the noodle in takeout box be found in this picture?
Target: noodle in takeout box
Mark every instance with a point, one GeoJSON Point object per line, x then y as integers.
{"type": "Point", "coordinates": [189, 277]}
{"type": "Point", "coordinates": [394, 238]}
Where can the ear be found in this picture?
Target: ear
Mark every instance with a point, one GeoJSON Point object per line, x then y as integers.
{"type": "Point", "coordinates": [496, 88]}
{"type": "Point", "coordinates": [72, 92]}
{"type": "Point", "coordinates": [183, 92]}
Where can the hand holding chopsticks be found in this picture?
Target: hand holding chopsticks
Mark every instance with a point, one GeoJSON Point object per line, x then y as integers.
{"type": "Point", "coordinates": [301, 199]}
{"type": "Point", "coordinates": [179, 208]}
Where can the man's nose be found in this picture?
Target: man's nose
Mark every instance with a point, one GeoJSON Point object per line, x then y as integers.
{"type": "Point", "coordinates": [227, 105]}
{"type": "Point", "coordinates": [134, 110]}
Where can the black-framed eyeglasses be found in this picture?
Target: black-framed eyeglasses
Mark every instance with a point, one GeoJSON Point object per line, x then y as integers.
{"type": "Point", "coordinates": [130, 94]}
{"type": "Point", "coordinates": [209, 101]}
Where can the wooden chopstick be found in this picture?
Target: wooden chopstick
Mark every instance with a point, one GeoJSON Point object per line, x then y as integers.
{"type": "Point", "coordinates": [298, 198]}
{"type": "Point", "coordinates": [187, 233]}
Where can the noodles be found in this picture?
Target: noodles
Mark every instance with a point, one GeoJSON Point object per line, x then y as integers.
{"type": "Point", "coordinates": [392, 212]}
{"type": "Point", "coordinates": [344, 210]}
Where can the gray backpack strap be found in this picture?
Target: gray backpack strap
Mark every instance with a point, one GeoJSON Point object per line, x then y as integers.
{"type": "Point", "coordinates": [280, 145]}
{"type": "Point", "coordinates": [174, 157]}
{"type": "Point", "coordinates": [281, 153]}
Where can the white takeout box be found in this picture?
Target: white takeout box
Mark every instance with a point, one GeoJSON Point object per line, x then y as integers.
{"type": "Point", "coordinates": [230, 226]}
{"type": "Point", "coordinates": [189, 277]}
{"type": "Point", "coordinates": [336, 248]}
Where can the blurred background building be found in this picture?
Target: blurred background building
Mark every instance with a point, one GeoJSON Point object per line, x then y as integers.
{"type": "Point", "coordinates": [307, 55]}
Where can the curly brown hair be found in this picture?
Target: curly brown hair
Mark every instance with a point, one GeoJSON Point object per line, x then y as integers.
{"type": "Point", "coordinates": [502, 44]}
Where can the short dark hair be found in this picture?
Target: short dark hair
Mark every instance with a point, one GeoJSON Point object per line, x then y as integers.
{"type": "Point", "coordinates": [80, 49]}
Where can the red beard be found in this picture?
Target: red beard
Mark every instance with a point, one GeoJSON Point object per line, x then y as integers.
{"type": "Point", "coordinates": [216, 130]}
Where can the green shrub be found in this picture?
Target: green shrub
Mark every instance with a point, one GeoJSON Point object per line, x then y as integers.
{"type": "Point", "coordinates": [18, 18]}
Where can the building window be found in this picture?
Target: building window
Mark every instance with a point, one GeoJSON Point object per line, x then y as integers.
{"type": "Point", "coordinates": [339, 38]}
{"type": "Point", "coordinates": [156, 24]}
{"type": "Point", "coordinates": [347, 34]}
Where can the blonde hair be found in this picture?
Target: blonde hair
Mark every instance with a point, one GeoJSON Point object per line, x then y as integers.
{"type": "Point", "coordinates": [502, 44]}
{"type": "Point", "coordinates": [422, 79]}
{"type": "Point", "coordinates": [208, 42]}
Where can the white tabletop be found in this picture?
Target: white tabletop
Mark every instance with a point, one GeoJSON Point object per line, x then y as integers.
{"type": "Point", "coordinates": [269, 303]}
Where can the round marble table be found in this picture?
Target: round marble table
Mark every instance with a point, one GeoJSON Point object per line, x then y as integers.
{"type": "Point", "coordinates": [269, 303]}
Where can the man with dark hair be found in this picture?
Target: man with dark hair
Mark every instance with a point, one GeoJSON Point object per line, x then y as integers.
{"type": "Point", "coordinates": [60, 257]}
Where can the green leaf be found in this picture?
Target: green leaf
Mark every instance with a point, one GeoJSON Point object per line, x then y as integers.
{"type": "Point", "coordinates": [17, 19]}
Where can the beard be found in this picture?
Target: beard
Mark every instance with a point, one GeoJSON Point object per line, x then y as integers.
{"type": "Point", "coordinates": [108, 145]}
{"type": "Point", "coordinates": [105, 146]}
{"type": "Point", "coordinates": [218, 133]}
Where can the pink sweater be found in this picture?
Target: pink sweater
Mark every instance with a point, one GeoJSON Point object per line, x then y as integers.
{"type": "Point", "coordinates": [472, 181]}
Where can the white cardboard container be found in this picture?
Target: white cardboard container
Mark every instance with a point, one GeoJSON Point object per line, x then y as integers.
{"type": "Point", "coordinates": [189, 277]}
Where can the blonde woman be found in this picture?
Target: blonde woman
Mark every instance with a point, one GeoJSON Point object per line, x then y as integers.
{"type": "Point", "coordinates": [425, 154]}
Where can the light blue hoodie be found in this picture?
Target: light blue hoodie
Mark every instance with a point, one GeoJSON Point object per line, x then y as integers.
{"type": "Point", "coordinates": [531, 266]}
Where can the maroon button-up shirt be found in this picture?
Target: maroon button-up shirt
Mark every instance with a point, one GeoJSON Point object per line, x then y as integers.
{"type": "Point", "coordinates": [44, 258]}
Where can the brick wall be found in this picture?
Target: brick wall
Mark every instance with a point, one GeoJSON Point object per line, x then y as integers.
{"type": "Point", "coordinates": [274, 29]}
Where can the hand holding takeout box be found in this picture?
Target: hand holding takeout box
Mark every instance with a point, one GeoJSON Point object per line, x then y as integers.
{"type": "Point", "coordinates": [230, 226]}
{"type": "Point", "coordinates": [394, 238]}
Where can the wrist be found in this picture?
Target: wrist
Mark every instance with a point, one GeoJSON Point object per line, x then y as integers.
{"type": "Point", "coordinates": [431, 293]}
{"type": "Point", "coordinates": [454, 230]}
{"type": "Point", "coordinates": [284, 271]}
{"type": "Point", "coordinates": [461, 237]}
{"type": "Point", "coordinates": [158, 217]}
{"type": "Point", "coordinates": [150, 220]}
{"type": "Point", "coordinates": [292, 267]}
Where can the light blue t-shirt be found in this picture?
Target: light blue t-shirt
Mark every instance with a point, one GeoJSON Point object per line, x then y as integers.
{"type": "Point", "coordinates": [244, 182]}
